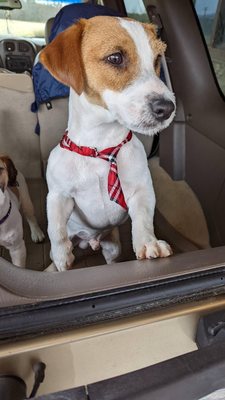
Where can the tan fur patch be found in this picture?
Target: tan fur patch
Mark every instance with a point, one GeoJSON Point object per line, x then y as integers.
{"type": "Point", "coordinates": [100, 74]}
{"type": "Point", "coordinates": [62, 57]}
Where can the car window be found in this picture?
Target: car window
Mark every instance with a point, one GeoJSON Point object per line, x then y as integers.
{"type": "Point", "coordinates": [136, 9]}
{"type": "Point", "coordinates": [30, 20]}
{"type": "Point", "coordinates": [211, 14]}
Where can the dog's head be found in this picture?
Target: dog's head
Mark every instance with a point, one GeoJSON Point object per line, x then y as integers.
{"type": "Point", "coordinates": [8, 173]}
{"type": "Point", "coordinates": [115, 62]}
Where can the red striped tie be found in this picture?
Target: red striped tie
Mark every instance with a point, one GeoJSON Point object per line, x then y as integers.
{"type": "Point", "coordinates": [109, 154]}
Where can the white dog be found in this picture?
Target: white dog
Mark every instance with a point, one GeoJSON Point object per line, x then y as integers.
{"type": "Point", "coordinates": [13, 191]}
{"type": "Point", "coordinates": [98, 173]}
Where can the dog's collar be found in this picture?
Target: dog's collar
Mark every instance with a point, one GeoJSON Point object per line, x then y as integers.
{"type": "Point", "coordinates": [7, 214]}
{"type": "Point", "coordinates": [109, 154]}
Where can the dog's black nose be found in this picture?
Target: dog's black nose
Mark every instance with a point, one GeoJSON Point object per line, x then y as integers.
{"type": "Point", "coordinates": [161, 108]}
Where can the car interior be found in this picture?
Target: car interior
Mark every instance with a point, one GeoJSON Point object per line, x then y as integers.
{"type": "Point", "coordinates": [95, 312]}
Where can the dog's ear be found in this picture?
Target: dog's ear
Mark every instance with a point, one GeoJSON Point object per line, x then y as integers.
{"type": "Point", "coordinates": [11, 170]}
{"type": "Point", "coordinates": [62, 57]}
{"type": "Point", "coordinates": [158, 45]}
{"type": "Point", "coordinates": [150, 28]}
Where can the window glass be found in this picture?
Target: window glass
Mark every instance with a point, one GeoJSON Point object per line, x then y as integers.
{"type": "Point", "coordinates": [30, 20]}
{"type": "Point", "coordinates": [136, 9]}
{"type": "Point", "coordinates": [211, 14]}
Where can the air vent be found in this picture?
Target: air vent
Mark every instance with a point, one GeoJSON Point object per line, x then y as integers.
{"type": "Point", "coordinates": [9, 46]}
{"type": "Point", "coordinates": [24, 47]}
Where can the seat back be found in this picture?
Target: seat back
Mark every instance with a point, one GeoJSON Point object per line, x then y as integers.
{"type": "Point", "coordinates": [53, 123]}
{"type": "Point", "coordinates": [17, 123]}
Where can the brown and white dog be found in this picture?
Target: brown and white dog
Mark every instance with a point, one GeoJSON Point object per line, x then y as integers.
{"type": "Point", "coordinates": [112, 67]}
{"type": "Point", "coordinates": [13, 191]}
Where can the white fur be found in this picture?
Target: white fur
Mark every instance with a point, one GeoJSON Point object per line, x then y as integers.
{"type": "Point", "coordinates": [141, 41]}
{"type": "Point", "coordinates": [11, 230]}
{"type": "Point", "coordinates": [78, 203]}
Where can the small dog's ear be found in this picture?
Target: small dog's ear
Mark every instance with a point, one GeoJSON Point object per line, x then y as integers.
{"type": "Point", "coordinates": [62, 57]}
{"type": "Point", "coordinates": [11, 170]}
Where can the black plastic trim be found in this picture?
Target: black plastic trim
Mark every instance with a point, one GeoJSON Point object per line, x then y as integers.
{"type": "Point", "coordinates": [187, 377]}
{"type": "Point", "coordinates": [26, 321]}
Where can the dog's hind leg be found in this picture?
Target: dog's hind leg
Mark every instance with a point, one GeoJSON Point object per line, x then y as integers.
{"type": "Point", "coordinates": [28, 210]}
{"type": "Point", "coordinates": [111, 247]}
{"type": "Point", "coordinates": [18, 254]}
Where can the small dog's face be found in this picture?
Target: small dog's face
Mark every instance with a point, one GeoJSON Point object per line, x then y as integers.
{"type": "Point", "coordinates": [8, 173]}
{"type": "Point", "coordinates": [116, 63]}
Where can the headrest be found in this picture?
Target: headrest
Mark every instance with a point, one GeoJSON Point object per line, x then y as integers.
{"type": "Point", "coordinates": [48, 28]}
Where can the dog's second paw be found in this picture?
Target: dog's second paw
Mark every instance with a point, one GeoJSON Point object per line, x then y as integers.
{"type": "Point", "coordinates": [62, 256]}
{"type": "Point", "coordinates": [154, 249]}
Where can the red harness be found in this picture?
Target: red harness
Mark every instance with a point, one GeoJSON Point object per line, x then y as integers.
{"type": "Point", "coordinates": [109, 154]}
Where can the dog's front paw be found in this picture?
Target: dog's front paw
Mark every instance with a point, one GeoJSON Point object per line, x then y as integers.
{"type": "Point", "coordinates": [62, 256]}
{"type": "Point", "coordinates": [37, 235]}
{"type": "Point", "coordinates": [154, 249]}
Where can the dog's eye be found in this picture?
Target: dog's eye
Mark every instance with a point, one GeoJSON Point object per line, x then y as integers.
{"type": "Point", "coordinates": [115, 58]}
{"type": "Point", "coordinates": [157, 62]}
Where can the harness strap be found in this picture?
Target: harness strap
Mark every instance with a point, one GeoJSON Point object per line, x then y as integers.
{"type": "Point", "coordinates": [7, 215]}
